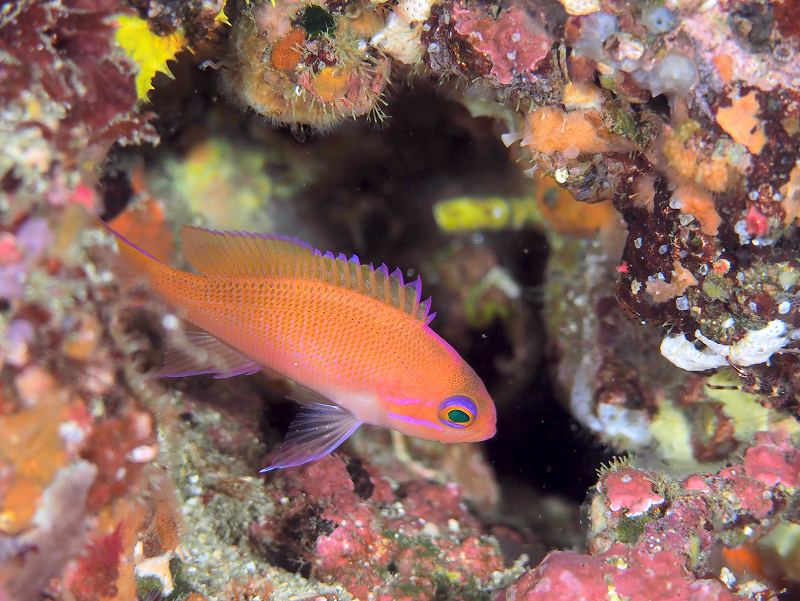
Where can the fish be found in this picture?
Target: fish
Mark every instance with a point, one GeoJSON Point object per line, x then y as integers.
{"type": "Point", "coordinates": [353, 341]}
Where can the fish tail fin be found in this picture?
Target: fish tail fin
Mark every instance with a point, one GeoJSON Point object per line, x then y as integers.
{"type": "Point", "coordinates": [134, 264]}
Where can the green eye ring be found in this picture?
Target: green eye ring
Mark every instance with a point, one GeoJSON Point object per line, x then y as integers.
{"type": "Point", "coordinates": [457, 412]}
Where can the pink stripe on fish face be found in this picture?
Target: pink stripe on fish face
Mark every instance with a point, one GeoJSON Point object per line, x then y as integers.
{"type": "Point", "coordinates": [416, 421]}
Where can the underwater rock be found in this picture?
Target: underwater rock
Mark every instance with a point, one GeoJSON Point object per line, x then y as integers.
{"type": "Point", "coordinates": [507, 49]}
{"type": "Point", "coordinates": [346, 524]}
{"type": "Point", "coordinates": [67, 92]}
{"type": "Point", "coordinates": [646, 544]}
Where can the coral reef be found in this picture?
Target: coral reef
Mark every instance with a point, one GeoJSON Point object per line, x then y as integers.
{"type": "Point", "coordinates": [653, 537]}
{"type": "Point", "coordinates": [604, 197]}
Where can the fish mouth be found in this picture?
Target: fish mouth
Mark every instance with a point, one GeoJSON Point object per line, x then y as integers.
{"type": "Point", "coordinates": [478, 436]}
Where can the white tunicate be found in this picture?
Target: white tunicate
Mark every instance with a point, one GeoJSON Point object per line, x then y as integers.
{"type": "Point", "coordinates": [637, 243]}
{"type": "Point", "coordinates": [595, 29]}
{"type": "Point", "coordinates": [756, 347]}
{"type": "Point", "coordinates": [682, 303]}
{"type": "Point", "coordinates": [658, 19]}
{"type": "Point", "coordinates": [741, 229]}
{"type": "Point", "coordinates": [682, 353]}
{"type": "Point", "coordinates": [674, 75]}
{"type": "Point", "coordinates": [759, 345]}
{"type": "Point", "coordinates": [784, 307]}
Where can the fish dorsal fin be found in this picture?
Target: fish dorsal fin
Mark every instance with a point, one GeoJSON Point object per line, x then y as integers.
{"type": "Point", "coordinates": [250, 255]}
{"type": "Point", "coordinates": [241, 254]}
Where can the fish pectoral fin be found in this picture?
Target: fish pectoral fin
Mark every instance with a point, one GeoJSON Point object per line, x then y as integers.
{"type": "Point", "coordinates": [205, 354]}
{"type": "Point", "coordinates": [317, 430]}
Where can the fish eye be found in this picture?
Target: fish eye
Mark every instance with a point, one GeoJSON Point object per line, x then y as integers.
{"type": "Point", "coordinates": [457, 411]}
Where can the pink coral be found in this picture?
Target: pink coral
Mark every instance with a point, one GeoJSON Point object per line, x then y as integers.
{"type": "Point", "coordinates": [697, 483]}
{"type": "Point", "coordinates": [570, 576]}
{"type": "Point", "coordinates": [513, 43]}
{"type": "Point", "coordinates": [756, 222]}
{"type": "Point", "coordinates": [753, 496]}
{"type": "Point", "coordinates": [629, 489]}
{"type": "Point", "coordinates": [773, 460]}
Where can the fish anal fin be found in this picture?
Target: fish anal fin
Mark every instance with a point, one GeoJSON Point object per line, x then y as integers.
{"type": "Point", "coordinates": [317, 430]}
{"type": "Point", "coordinates": [202, 353]}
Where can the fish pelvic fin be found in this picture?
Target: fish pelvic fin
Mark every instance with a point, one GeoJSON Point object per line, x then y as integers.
{"type": "Point", "coordinates": [317, 430]}
{"type": "Point", "coordinates": [205, 354]}
{"type": "Point", "coordinates": [251, 255]}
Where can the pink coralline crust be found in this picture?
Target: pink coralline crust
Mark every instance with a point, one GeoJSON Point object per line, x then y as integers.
{"type": "Point", "coordinates": [9, 249]}
{"type": "Point", "coordinates": [629, 489]}
{"type": "Point", "coordinates": [682, 528]}
{"type": "Point", "coordinates": [664, 560]}
{"type": "Point", "coordinates": [328, 479]}
{"type": "Point", "coordinates": [352, 544]}
{"type": "Point", "coordinates": [352, 528]}
{"type": "Point", "coordinates": [513, 43]}
{"type": "Point", "coordinates": [436, 503]}
{"type": "Point", "coordinates": [773, 460]}
{"type": "Point", "coordinates": [383, 489]}
{"type": "Point", "coordinates": [696, 483]}
{"type": "Point", "coordinates": [753, 496]}
{"type": "Point", "coordinates": [569, 576]}
{"type": "Point", "coordinates": [563, 575]}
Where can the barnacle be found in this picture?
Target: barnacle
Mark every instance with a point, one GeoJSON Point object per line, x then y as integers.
{"type": "Point", "coordinates": [307, 64]}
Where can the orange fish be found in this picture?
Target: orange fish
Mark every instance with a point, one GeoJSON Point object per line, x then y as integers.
{"type": "Point", "coordinates": [353, 340]}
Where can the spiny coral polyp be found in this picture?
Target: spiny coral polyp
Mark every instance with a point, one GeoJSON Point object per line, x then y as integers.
{"type": "Point", "coordinates": [309, 65]}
